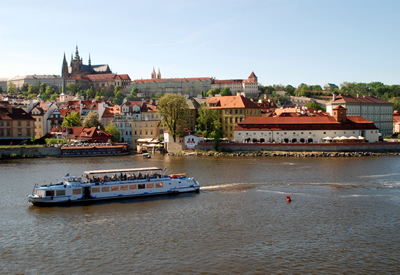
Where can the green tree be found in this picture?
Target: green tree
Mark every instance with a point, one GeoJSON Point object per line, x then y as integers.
{"type": "Point", "coordinates": [54, 97]}
{"type": "Point", "coordinates": [289, 89]}
{"type": "Point", "coordinates": [90, 93]}
{"type": "Point", "coordinates": [71, 120]}
{"type": "Point", "coordinates": [73, 88]}
{"type": "Point", "coordinates": [226, 92]}
{"type": "Point", "coordinates": [134, 91]}
{"type": "Point", "coordinates": [119, 98]}
{"type": "Point", "coordinates": [24, 87]}
{"type": "Point", "coordinates": [42, 88]}
{"type": "Point", "coordinates": [110, 128]}
{"type": "Point", "coordinates": [173, 109]}
{"type": "Point", "coordinates": [1, 90]}
{"type": "Point", "coordinates": [92, 120]}
{"type": "Point", "coordinates": [315, 106]}
{"type": "Point", "coordinates": [206, 118]}
{"type": "Point", "coordinates": [117, 89]}
{"type": "Point", "coordinates": [12, 88]}
{"type": "Point", "coordinates": [32, 90]}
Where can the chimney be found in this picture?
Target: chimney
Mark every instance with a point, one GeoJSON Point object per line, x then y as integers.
{"type": "Point", "coordinates": [334, 96]}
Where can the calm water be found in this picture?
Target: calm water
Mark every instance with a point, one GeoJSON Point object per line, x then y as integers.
{"type": "Point", "coordinates": [344, 218]}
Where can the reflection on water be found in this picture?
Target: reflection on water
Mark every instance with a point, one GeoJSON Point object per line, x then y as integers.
{"type": "Point", "coordinates": [343, 218]}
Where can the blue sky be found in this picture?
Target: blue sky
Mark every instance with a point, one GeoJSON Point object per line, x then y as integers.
{"type": "Point", "coordinates": [282, 41]}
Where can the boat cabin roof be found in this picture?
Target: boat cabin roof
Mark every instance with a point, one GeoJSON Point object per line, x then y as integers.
{"type": "Point", "coordinates": [129, 170]}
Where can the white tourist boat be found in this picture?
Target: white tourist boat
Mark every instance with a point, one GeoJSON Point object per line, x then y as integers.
{"type": "Point", "coordinates": [112, 184]}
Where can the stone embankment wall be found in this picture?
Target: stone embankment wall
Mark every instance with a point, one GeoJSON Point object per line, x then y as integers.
{"type": "Point", "coordinates": [31, 151]}
{"type": "Point", "coordinates": [378, 147]}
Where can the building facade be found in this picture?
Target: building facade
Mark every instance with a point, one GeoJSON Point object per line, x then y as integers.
{"type": "Point", "coordinates": [185, 86]}
{"type": "Point", "coordinates": [15, 123]}
{"type": "Point", "coordinates": [98, 76]}
{"type": "Point", "coordinates": [371, 108]}
{"type": "Point", "coordinates": [35, 80]}
{"type": "Point", "coordinates": [231, 110]}
{"type": "Point", "coordinates": [306, 128]}
{"type": "Point", "coordinates": [248, 87]}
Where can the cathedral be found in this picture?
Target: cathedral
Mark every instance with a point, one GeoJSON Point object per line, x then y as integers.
{"type": "Point", "coordinates": [77, 68]}
{"type": "Point", "coordinates": [97, 76]}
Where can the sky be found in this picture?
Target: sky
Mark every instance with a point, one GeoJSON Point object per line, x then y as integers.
{"type": "Point", "coordinates": [283, 41]}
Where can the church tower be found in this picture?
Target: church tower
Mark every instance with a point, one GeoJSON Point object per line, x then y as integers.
{"type": "Point", "coordinates": [64, 69]}
{"type": "Point", "coordinates": [253, 77]}
{"type": "Point", "coordinates": [159, 74]}
{"type": "Point", "coordinates": [76, 63]}
{"type": "Point", "coordinates": [153, 74]}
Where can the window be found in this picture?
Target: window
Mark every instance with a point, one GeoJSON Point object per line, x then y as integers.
{"type": "Point", "coordinates": [141, 186]}
{"type": "Point", "coordinates": [60, 193]}
{"type": "Point", "coordinates": [1, 123]}
{"type": "Point", "coordinates": [19, 123]}
{"type": "Point", "coordinates": [159, 184]}
{"type": "Point", "coordinates": [8, 123]}
{"type": "Point", "coordinates": [28, 123]}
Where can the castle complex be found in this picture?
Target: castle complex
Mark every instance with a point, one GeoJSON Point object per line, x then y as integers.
{"type": "Point", "coordinates": [88, 75]}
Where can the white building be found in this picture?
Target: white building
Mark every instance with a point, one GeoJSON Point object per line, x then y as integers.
{"type": "Point", "coordinates": [306, 128]}
{"type": "Point", "coordinates": [371, 108]}
{"type": "Point", "coordinates": [248, 87]}
{"type": "Point", "coordinates": [50, 80]}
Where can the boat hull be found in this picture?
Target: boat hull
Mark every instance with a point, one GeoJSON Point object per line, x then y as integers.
{"type": "Point", "coordinates": [52, 202]}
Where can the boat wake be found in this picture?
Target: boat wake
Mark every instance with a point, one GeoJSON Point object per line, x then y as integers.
{"type": "Point", "coordinates": [229, 187]}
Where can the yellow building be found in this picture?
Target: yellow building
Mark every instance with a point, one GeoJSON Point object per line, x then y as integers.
{"type": "Point", "coordinates": [231, 110]}
{"type": "Point", "coordinates": [15, 123]}
{"type": "Point", "coordinates": [148, 126]}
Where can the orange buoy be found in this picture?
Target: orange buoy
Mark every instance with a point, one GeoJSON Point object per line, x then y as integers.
{"type": "Point", "coordinates": [288, 199]}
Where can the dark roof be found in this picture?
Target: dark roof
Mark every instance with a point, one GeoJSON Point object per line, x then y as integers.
{"type": "Point", "coordinates": [9, 113]}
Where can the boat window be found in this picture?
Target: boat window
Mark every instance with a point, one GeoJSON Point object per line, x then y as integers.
{"type": "Point", "coordinates": [132, 187]}
{"type": "Point", "coordinates": [150, 185]}
{"type": "Point", "coordinates": [40, 193]}
{"type": "Point", "coordinates": [60, 193]}
{"type": "Point", "coordinates": [141, 186]}
{"type": "Point", "coordinates": [76, 191]}
{"type": "Point", "coordinates": [123, 187]}
{"type": "Point", "coordinates": [50, 193]}
{"type": "Point", "coordinates": [159, 185]}
{"type": "Point", "coordinates": [114, 188]}
{"type": "Point", "coordinates": [95, 189]}
{"type": "Point", "coordinates": [105, 189]}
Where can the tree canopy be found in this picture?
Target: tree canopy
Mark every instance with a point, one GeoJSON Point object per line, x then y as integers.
{"type": "Point", "coordinates": [92, 120]}
{"type": "Point", "coordinates": [110, 128]}
{"type": "Point", "coordinates": [173, 109]}
{"type": "Point", "coordinates": [205, 120]}
{"type": "Point", "coordinates": [225, 92]}
{"type": "Point", "coordinates": [71, 120]}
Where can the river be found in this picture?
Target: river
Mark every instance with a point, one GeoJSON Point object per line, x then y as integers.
{"type": "Point", "coordinates": [343, 218]}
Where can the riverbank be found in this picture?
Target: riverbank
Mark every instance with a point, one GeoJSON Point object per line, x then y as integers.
{"type": "Point", "coordinates": [281, 154]}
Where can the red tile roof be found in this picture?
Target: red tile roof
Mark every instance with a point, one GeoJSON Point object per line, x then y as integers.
{"type": "Point", "coordinates": [294, 121]}
{"type": "Point", "coordinates": [224, 102]}
{"type": "Point", "coordinates": [359, 99]}
{"type": "Point", "coordinates": [173, 79]}
{"type": "Point", "coordinates": [252, 75]}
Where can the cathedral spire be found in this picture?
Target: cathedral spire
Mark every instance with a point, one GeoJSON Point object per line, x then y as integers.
{"type": "Point", "coordinates": [77, 57]}
{"type": "Point", "coordinates": [159, 74]}
{"type": "Point", "coordinates": [64, 69]}
{"type": "Point", "coordinates": [153, 74]}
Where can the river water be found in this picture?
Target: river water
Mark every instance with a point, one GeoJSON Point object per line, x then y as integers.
{"type": "Point", "coordinates": [344, 218]}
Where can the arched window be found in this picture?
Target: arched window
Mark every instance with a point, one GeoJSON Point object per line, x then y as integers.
{"type": "Point", "coordinates": [294, 140]}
